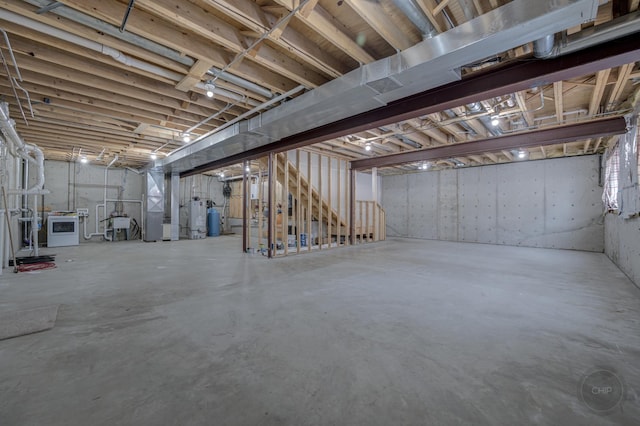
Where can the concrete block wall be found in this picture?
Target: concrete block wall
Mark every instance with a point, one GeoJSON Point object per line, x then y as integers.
{"type": "Point", "coordinates": [549, 203]}
{"type": "Point", "coordinates": [76, 185]}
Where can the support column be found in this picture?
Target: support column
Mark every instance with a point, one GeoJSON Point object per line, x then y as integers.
{"type": "Point", "coordinates": [270, 203]}
{"type": "Point", "coordinates": [352, 207]}
{"type": "Point", "coordinates": [245, 218]}
{"type": "Point", "coordinates": [175, 206]}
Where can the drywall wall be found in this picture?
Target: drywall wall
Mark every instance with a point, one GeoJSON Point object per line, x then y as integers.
{"type": "Point", "coordinates": [74, 185]}
{"type": "Point", "coordinates": [548, 203]}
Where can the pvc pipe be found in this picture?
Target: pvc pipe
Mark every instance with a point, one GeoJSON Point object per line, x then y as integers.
{"type": "Point", "coordinates": [22, 149]}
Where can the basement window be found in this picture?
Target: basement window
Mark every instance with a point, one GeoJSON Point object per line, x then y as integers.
{"type": "Point", "coordinates": [611, 180]}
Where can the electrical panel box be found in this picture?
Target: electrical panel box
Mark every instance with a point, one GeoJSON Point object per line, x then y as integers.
{"type": "Point", "coordinates": [197, 219]}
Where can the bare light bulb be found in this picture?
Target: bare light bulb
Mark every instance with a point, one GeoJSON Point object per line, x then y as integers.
{"type": "Point", "coordinates": [209, 93]}
{"type": "Point", "coordinates": [221, 174]}
{"type": "Point", "coordinates": [153, 156]}
{"type": "Point", "coordinates": [186, 138]}
{"type": "Point", "coordinates": [367, 147]}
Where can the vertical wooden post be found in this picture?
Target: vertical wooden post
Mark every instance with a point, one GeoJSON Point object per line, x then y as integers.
{"type": "Point", "coordinates": [298, 201]}
{"type": "Point", "coordinates": [338, 207]}
{"type": "Point", "coordinates": [245, 221]}
{"type": "Point", "coordinates": [270, 206]}
{"type": "Point", "coordinates": [374, 212]}
{"type": "Point", "coordinates": [260, 195]}
{"type": "Point", "coordinates": [320, 197]}
{"type": "Point", "coordinates": [352, 206]}
{"type": "Point", "coordinates": [329, 208]}
{"type": "Point", "coordinates": [285, 203]}
{"type": "Point", "coordinates": [309, 201]}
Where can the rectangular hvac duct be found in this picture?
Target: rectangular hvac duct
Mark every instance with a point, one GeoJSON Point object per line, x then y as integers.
{"type": "Point", "coordinates": [431, 63]}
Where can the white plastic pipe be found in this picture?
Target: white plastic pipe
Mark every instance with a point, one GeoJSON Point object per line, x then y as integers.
{"type": "Point", "coordinates": [23, 150]}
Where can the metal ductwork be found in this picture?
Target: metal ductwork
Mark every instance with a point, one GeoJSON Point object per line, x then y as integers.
{"type": "Point", "coordinates": [449, 113]}
{"type": "Point", "coordinates": [417, 18]}
{"type": "Point", "coordinates": [543, 47]}
{"type": "Point", "coordinates": [18, 147]}
{"type": "Point", "coordinates": [429, 64]}
{"type": "Point", "coordinates": [619, 27]}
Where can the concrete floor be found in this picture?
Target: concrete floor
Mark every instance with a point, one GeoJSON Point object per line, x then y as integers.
{"type": "Point", "coordinates": [404, 332]}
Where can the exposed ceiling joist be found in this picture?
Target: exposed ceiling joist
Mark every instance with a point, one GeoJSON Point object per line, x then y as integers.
{"type": "Point", "coordinates": [552, 136]}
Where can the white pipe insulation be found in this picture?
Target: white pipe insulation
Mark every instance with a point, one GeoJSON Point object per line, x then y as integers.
{"type": "Point", "coordinates": [19, 148]}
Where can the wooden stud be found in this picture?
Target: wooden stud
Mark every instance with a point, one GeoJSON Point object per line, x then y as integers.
{"type": "Point", "coordinates": [298, 201]}
{"type": "Point", "coordinates": [245, 220]}
{"type": "Point", "coordinates": [602, 77]}
{"type": "Point", "coordinates": [558, 100]}
{"type": "Point", "coordinates": [285, 203]}
{"type": "Point", "coordinates": [329, 209]}
{"type": "Point", "coordinates": [320, 202]}
{"type": "Point", "coordinates": [260, 215]}
{"type": "Point", "coordinates": [309, 201]}
{"type": "Point", "coordinates": [271, 204]}
{"type": "Point", "coordinates": [339, 206]}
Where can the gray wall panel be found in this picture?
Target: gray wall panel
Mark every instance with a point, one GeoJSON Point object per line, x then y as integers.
{"type": "Point", "coordinates": [549, 203]}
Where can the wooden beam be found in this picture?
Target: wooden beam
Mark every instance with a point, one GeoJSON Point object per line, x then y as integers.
{"type": "Point", "coordinates": [320, 21]}
{"type": "Point", "coordinates": [197, 71]}
{"type": "Point", "coordinates": [602, 78]}
{"type": "Point", "coordinates": [378, 19]}
{"type": "Point", "coordinates": [440, 7]}
{"type": "Point", "coordinates": [438, 22]}
{"type": "Point", "coordinates": [558, 100]}
{"type": "Point", "coordinates": [180, 39]}
{"type": "Point", "coordinates": [615, 97]}
{"type": "Point", "coordinates": [522, 104]}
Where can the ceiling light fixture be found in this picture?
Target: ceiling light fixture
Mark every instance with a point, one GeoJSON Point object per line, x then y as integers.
{"type": "Point", "coordinates": [153, 155]}
{"type": "Point", "coordinates": [424, 166]}
{"type": "Point", "coordinates": [495, 121]}
{"type": "Point", "coordinates": [186, 137]}
{"type": "Point", "coordinates": [367, 146]}
{"type": "Point", "coordinates": [210, 87]}
{"type": "Point", "coordinates": [247, 169]}
{"type": "Point", "coordinates": [84, 159]}
{"type": "Point", "coordinates": [221, 174]}
{"type": "Point", "coordinates": [522, 154]}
